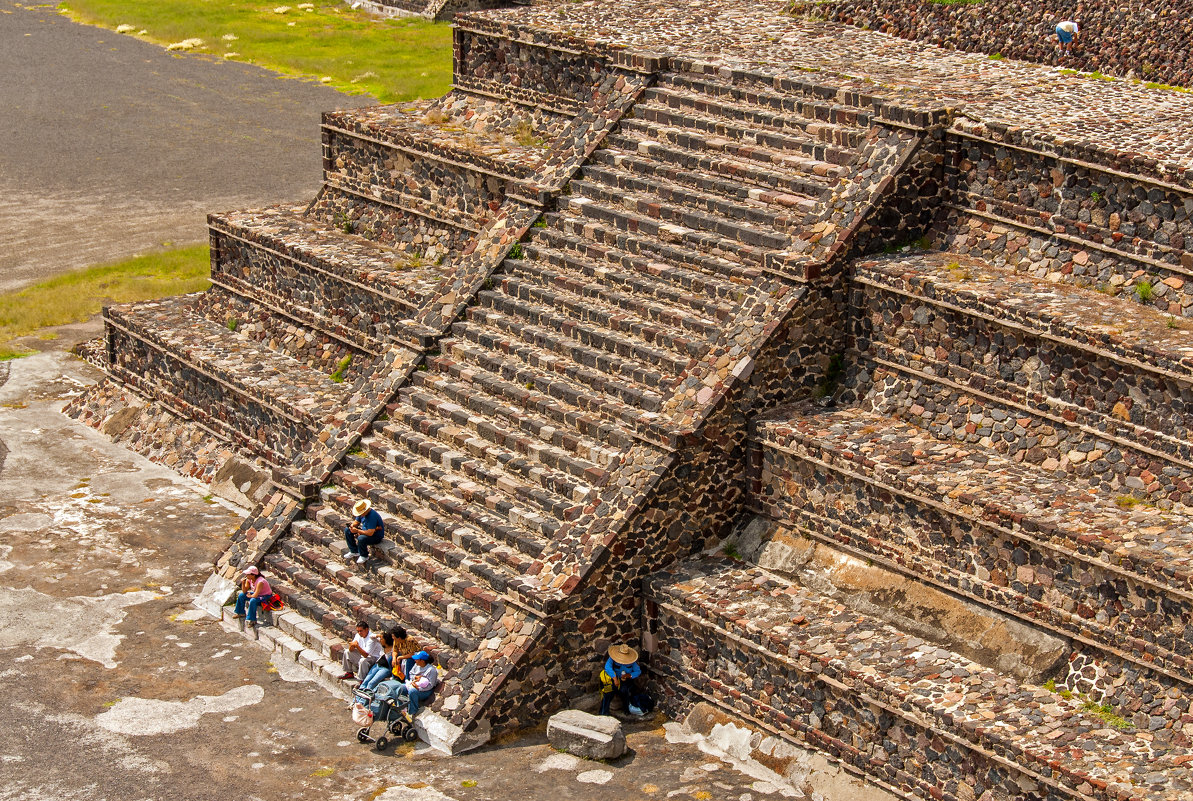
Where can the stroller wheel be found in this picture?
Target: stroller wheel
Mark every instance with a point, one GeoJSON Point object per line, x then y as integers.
{"type": "Point", "coordinates": [382, 743]}
{"type": "Point", "coordinates": [363, 735]}
{"type": "Point", "coordinates": [410, 735]}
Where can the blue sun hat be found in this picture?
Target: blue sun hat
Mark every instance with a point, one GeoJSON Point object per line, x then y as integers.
{"type": "Point", "coordinates": [423, 655]}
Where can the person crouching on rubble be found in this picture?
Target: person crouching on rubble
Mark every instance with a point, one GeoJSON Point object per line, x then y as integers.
{"type": "Point", "coordinates": [620, 677]}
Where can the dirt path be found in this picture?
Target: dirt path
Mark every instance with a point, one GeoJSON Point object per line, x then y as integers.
{"type": "Point", "coordinates": [113, 146]}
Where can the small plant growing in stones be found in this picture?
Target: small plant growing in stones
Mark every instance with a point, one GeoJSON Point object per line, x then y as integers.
{"type": "Point", "coordinates": [1143, 290]}
{"type": "Point", "coordinates": [996, 56]}
{"type": "Point", "coordinates": [730, 549]}
{"type": "Point", "coordinates": [515, 251]}
{"type": "Point", "coordinates": [435, 117]}
{"type": "Point", "coordinates": [541, 222]}
{"type": "Point", "coordinates": [1106, 713]}
{"type": "Point", "coordinates": [232, 323]}
{"type": "Point", "coordinates": [341, 367]}
{"type": "Point", "coordinates": [1171, 322]}
{"type": "Point", "coordinates": [1095, 196]}
{"type": "Point", "coordinates": [344, 223]}
{"type": "Point", "coordinates": [958, 272]}
{"type": "Point", "coordinates": [525, 136]}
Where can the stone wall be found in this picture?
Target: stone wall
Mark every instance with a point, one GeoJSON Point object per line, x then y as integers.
{"type": "Point", "coordinates": [1057, 215]}
{"type": "Point", "coordinates": [1145, 40]}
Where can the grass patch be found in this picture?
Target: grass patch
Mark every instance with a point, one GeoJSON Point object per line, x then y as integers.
{"type": "Point", "coordinates": [341, 367]}
{"type": "Point", "coordinates": [731, 550]}
{"type": "Point", "coordinates": [1144, 291]}
{"type": "Point", "coordinates": [77, 296]}
{"type": "Point", "coordinates": [390, 59]}
{"type": "Point", "coordinates": [1106, 713]}
{"type": "Point", "coordinates": [956, 2]}
{"type": "Point", "coordinates": [1167, 86]}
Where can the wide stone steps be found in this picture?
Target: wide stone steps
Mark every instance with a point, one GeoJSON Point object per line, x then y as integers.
{"type": "Point", "coordinates": [915, 715]}
{"type": "Point", "coordinates": [761, 132]}
{"type": "Point", "coordinates": [531, 434]}
{"type": "Point", "coordinates": [630, 381]}
{"type": "Point", "coordinates": [1051, 549]}
{"type": "Point", "coordinates": [723, 199]}
{"type": "Point", "coordinates": [621, 219]}
{"type": "Point", "coordinates": [529, 408]}
{"type": "Point", "coordinates": [643, 201]}
{"type": "Point", "coordinates": [755, 173]}
{"type": "Point", "coordinates": [630, 332]}
{"type": "Point", "coordinates": [441, 430]}
{"type": "Point", "coordinates": [429, 501]}
{"type": "Point", "coordinates": [703, 273]}
{"type": "Point", "coordinates": [430, 544]}
{"type": "Point", "coordinates": [360, 595]}
{"type": "Point", "coordinates": [544, 389]}
{"type": "Point", "coordinates": [583, 279]}
{"type": "Point", "coordinates": [697, 142]}
{"type": "Point", "coordinates": [713, 297]}
{"type": "Point", "coordinates": [428, 595]}
{"type": "Point", "coordinates": [735, 98]}
{"type": "Point", "coordinates": [752, 111]}
{"type": "Point", "coordinates": [1123, 368]}
{"type": "Point", "coordinates": [522, 515]}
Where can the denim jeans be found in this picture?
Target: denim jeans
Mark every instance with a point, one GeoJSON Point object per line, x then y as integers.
{"type": "Point", "coordinates": [377, 674]}
{"type": "Point", "coordinates": [415, 699]}
{"type": "Point", "coordinates": [360, 545]}
{"type": "Point", "coordinates": [253, 603]}
{"type": "Point", "coordinates": [626, 691]}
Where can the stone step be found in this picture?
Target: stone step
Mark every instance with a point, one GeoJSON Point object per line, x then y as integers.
{"type": "Point", "coordinates": [512, 424]}
{"type": "Point", "coordinates": [522, 515]}
{"type": "Point", "coordinates": [1122, 368]}
{"type": "Point", "coordinates": [429, 502]}
{"type": "Point", "coordinates": [698, 142]}
{"type": "Point", "coordinates": [351, 282]}
{"type": "Point", "coordinates": [750, 173]}
{"type": "Point", "coordinates": [368, 595]}
{"type": "Point", "coordinates": [439, 430]}
{"type": "Point", "coordinates": [429, 595]}
{"type": "Point", "coordinates": [664, 343]}
{"type": "Point", "coordinates": [603, 372]}
{"type": "Point", "coordinates": [713, 297]}
{"type": "Point", "coordinates": [546, 391]}
{"type": "Point", "coordinates": [695, 190]}
{"type": "Point", "coordinates": [755, 98]}
{"type": "Point", "coordinates": [1052, 550]}
{"type": "Point", "coordinates": [917, 716]}
{"type": "Point", "coordinates": [754, 110]}
{"type": "Point", "coordinates": [662, 106]}
{"type": "Point", "coordinates": [447, 552]}
{"type": "Point", "coordinates": [651, 204]}
{"type": "Point", "coordinates": [583, 279]}
{"type": "Point", "coordinates": [664, 233]}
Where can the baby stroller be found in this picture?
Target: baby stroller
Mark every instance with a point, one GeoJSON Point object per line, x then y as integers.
{"type": "Point", "coordinates": [381, 706]}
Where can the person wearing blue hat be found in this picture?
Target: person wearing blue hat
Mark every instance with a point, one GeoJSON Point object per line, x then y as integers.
{"type": "Point", "coordinates": [420, 683]}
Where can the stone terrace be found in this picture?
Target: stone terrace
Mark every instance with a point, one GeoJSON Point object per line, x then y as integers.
{"type": "Point", "coordinates": [1118, 116]}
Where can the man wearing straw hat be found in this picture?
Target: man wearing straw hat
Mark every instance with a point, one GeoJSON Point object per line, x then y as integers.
{"type": "Point", "coordinates": [619, 676]}
{"type": "Point", "coordinates": [367, 528]}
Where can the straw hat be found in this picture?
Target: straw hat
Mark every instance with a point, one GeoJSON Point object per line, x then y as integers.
{"type": "Point", "coordinates": [623, 654]}
{"type": "Point", "coordinates": [362, 507]}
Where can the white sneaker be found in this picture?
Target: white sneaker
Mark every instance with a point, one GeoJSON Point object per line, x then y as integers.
{"type": "Point", "coordinates": [360, 560]}
{"type": "Point", "coordinates": [349, 556]}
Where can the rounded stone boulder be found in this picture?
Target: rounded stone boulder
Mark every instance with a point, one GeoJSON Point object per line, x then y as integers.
{"type": "Point", "coordinates": [587, 736]}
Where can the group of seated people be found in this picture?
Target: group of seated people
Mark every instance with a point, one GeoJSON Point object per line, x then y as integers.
{"type": "Point", "coordinates": [393, 665]}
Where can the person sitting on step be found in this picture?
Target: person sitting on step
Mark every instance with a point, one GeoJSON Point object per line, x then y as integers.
{"type": "Point", "coordinates": [420, 683]}
{"type": "Point", "coordinates": [619, 676]}
{"type": "Point", "coordinates": [362, 653]}
{"type": "Point", "coordinates": [367, 528]}
{"type": "Point", "coordinates": [402, 655]}
{"type": "Point", "coordinates": [384, 667]}
{"type": "Point", "coordinates": [254, 590]}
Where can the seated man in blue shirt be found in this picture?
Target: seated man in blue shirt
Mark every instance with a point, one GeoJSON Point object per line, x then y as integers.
{"type": "Point", "coordinates": [366, 529]}
{"type": "Point", "coordinates": [619, 676]}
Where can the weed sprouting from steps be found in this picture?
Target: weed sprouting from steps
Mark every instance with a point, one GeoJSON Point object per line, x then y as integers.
{"type": "Point", "coordinates": [435, 117]}
{"type": "Point", "coordinates": [1106, 713]}
{"type": "Point", "coordinates": [1095, 196]}
{"type": "Point", "coordinates": [232, 323]}
{"type": "Point", "coordinates": [343, 222]}
{"type": "Point", "coordinates": [541, 222]}
{"type": "Point", "coordinates": [341, 367]}
{"type": "Point", "coordinates": [357, 451]}
{"type": "Point", "coordinates": [1143, 291]}
{"type": "Point", "coordinates": [996, 56]}
{"type": "Point", "coordinates": [731, 550]}
{"type": "Point", "coordinates": [1130, 502]}
{"type": "Point", "coordinates": [515, 251]}
{"type": "Point", "coordinates": [959, 273]}
{"type": "Point", "coordinates": [413, 261]}
{"type": "Point", "coordinates": [1171, 322]}
{"type": "Point", "coordinates": [525, 136]}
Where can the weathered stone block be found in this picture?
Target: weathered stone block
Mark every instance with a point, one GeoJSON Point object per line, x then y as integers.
{"type": "Point", "coordinates": [585, 735]}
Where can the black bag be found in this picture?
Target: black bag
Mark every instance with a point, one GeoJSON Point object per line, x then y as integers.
{"type": "Point", "coordinates": [643, 701]}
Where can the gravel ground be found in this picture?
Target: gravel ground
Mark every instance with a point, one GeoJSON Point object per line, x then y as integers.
{"type": "Point", "coordinates": [113, 146]}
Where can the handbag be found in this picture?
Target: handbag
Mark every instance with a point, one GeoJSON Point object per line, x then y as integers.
{"type": "Point", "coordinates": [361, 715]}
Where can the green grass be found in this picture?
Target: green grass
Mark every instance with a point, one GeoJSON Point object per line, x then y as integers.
{"type": "Point", "coordinates": [391, 59]}
{"type": "Point", "coordinates": [76, 297]}
{"type": "Point", "coordinates": [957, 2]}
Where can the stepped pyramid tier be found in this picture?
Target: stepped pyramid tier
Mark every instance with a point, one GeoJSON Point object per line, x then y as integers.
{"type": "Point", "coordinates": [620, 295]}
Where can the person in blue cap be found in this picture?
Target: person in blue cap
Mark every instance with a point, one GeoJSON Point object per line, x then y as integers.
{"type": "Point", "coordinates": [420, 683]}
